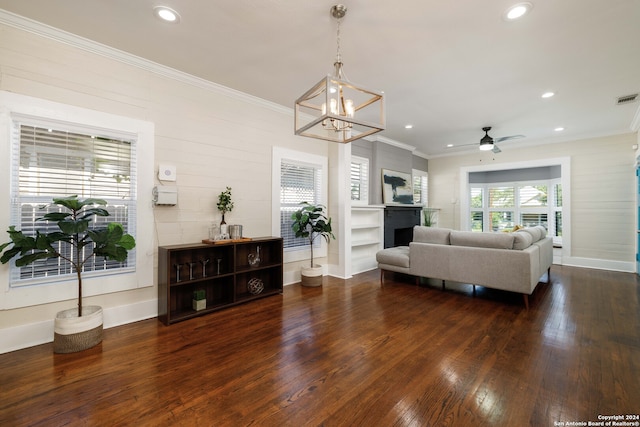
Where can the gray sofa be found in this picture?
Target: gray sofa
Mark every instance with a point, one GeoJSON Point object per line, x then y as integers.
{"type": "Point", "coordinates": [509, 261]}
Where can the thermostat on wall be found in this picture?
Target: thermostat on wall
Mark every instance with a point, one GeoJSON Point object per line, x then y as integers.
{"type": "Point", "coordinates": [166, 172]}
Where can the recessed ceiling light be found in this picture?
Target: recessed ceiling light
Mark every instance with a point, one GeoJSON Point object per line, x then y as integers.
{"type": "Point", "coordinates": [517, 11]}
{"type": "Point", "coordinates": [408, 126]}
{"type": "Point", "coordinates": [449, 145]}
{"type": "Point", "coordinates": [167, 14]}
{"type": "Point", "coordinates": [559, 129]}
{"type": "Point", "coordinates": [548, 94]}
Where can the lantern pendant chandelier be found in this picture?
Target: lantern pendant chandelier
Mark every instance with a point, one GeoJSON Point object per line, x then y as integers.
{"type": "Point", "coordinates": [336, 109]}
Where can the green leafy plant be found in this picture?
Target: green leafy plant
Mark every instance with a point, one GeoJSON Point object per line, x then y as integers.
{"type": "Point", "coordinates": [110, 241]}
{"type": "Point", "coordinates": [430, 216]}
{"type": "Point", "coordinates": [310, 222]}
{"type": "Point", "coordinates": [224, 202]}
{"type": "Point", "coordinates": [199, 294]}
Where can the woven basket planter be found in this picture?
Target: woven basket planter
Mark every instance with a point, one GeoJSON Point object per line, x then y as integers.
{"type": "Point", "coordinates": [72, 333]}
{"type": "Point", "coordinates": [311, 276]}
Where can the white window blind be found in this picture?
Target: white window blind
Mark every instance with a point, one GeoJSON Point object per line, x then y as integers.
{"type": "Point", "coordinates": [524, 203]}
{"type": "Point", "coordinates": [359, 180]}
{"type": "Point", "coordinates": [299, 182]}
{"type": "Point", "coordinates": [501, 197]}
{"type": "Point", "coordinates": [53, 160]}
{"type": "Point", "coordinates": [420, 187]}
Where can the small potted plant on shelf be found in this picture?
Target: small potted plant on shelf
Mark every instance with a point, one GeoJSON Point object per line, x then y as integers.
{"type": "Point", "coordinates": [311, 222]}
{"type": "Point", "coordinates": [199, 300]}
{"type": "Point", "coordinates": [78, 328]}
{"type": "Point", "coordinates": [224, 205]}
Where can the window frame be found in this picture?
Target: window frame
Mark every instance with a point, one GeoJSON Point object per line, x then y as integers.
{"type": "Point", "coordinates": [87, 158]}
{"type": "Point", "coordinates": [517, 210]}
{"type": "Point", "coordinates": [14, 106]}
{"type": "Point", "coordinates": [298, 253]}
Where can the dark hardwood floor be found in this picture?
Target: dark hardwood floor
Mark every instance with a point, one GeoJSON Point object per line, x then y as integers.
{"type": "Point", "coordinates": [353, 353]}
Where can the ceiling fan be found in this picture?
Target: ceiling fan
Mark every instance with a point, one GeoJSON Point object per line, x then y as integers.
{"type": "Point", "coordinates": [487, 143]}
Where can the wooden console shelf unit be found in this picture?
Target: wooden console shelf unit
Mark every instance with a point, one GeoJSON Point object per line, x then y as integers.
{"type": "Point", "coordinates": [227, 277]}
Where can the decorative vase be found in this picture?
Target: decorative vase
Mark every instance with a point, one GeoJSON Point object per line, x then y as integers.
{"type": "Point", "coordinates": [311, 276]}
{"type": "Point", "coordinates": [73, 333]}
{"type": "Point", "coordinates": [223, 227]}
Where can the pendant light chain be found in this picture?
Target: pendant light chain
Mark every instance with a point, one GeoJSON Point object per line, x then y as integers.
{"type": "Point", "coordinates": [338, 12]}
{"type": "Point", "coordinates": [338, 53]}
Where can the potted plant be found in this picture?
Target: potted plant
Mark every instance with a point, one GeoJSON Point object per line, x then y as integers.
{"type": "Point", "coordinates": [199, 301]}
{"type": "Point", "coordinates": [311, 222]}
{"type": "Point", "coordinates": [430, 216]}
{"type": "Point", "coordinates": [78, 328]}
{"type": "Point", "coordinates": [224, 205]}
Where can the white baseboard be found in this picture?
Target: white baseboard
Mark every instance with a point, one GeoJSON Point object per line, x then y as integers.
{"type": "Point", "coordinates": [599, 264]}
{"type": "Point", "coordinates": [29, 335]}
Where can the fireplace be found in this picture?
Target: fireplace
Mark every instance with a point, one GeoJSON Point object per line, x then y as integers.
{"type": "Point", "coordinates": [398, 224]}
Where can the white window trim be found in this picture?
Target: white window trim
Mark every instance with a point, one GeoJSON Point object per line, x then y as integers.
{"type": "Point", "coordinates": [15, 104]}
{"type": "Point", "coordinates": [300, 253]}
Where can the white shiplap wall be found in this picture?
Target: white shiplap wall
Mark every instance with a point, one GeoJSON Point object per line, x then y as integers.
{"type": "Point", "coordinates": [214, 136]}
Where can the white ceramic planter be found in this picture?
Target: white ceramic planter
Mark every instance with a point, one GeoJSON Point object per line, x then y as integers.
{"type": "Point", "coordinates": [73, 333]}
{"type": "Point", "coordinates": [199, 304]}
{"type": "Point", "coordinates": [311, 276]}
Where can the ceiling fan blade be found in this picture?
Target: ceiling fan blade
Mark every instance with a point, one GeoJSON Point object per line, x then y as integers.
{"type": "Point", "coordinates": [507, 138]}
{"type": "Point", "coordinates": [462, 145]}
{"type": "Point", "coordinates": [496, 149]}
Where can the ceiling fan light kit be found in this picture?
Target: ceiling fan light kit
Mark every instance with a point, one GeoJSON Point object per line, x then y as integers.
{"type": "Point", "coordinates": [337, 110]}
{"type": "Point", "coordinates": [486, 143]}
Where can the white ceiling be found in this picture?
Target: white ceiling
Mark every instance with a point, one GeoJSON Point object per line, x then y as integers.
{"type": "Point", "coordinates": [447, 67]}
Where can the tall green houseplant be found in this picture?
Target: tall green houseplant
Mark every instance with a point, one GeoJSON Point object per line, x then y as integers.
{"type": "Point", "coordinates": [311, 222]}
{"type": "Point", "coordinates": [110, 241]}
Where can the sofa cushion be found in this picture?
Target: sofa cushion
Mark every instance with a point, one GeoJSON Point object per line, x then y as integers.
{"type": "Point", "coordinates": [439, 236]}
{"type": "Point", "coordinates": [398, 256]}
{"type": "Point", "coordinates": [537, 233]}
{"type": "Point", "coordinates": [482, 240]}
{"type": "Point", "coordinates": [522, 240]}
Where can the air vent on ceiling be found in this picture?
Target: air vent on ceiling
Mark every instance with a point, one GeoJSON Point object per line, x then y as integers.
{"type": "Point", "coordinates": [627, 99]}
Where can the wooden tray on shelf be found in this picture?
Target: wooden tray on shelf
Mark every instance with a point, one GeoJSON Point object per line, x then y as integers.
{"type": "Point", "coordinates": [225, 241]}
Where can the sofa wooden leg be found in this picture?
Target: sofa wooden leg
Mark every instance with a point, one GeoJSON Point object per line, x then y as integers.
{"type": "Point", "coordinates": [474, 290]}
{"type": "Point", "coordinates": [526, 301]}
{"type": "Point", "coordinates": [381, 277]}
{"type": "Point", "coordinates": [443, 285]}
{"type": "Point", "coordinates": [549, 275]}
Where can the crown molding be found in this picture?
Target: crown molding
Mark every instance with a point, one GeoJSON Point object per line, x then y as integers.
{"type": "Point", "coordinates": [394, 143]}
{"type": "Point", "coordinates": [55, 34]}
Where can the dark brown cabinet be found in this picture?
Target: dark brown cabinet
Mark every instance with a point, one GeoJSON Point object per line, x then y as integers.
{"type": "Point", "coordinates": [228, 273]}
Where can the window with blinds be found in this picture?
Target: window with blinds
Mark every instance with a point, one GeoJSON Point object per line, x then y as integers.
{"type": "Point", "coordinates": [524, 204]}
{"type": "Point", "coordinates": [51, 161]}
{"type": "Point", "coordinates": [359, 180]}
{"type": "Point", "coordinates": [299, 182]}
{"type": "Point", "coordinates": [477, 208]}
{"type": "Point", "coordinates": [420, 187]}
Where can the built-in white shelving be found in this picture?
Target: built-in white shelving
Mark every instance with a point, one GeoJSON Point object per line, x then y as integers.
{"type": "Point", "coordinates": [367, 236]}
